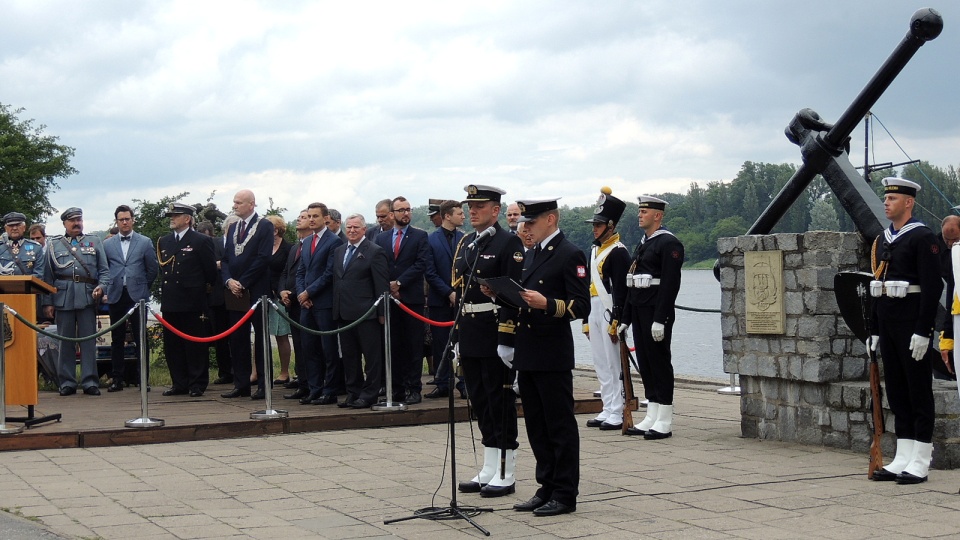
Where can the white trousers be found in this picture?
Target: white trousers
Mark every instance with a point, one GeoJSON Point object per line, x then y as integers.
{"type": "Point", "coordinates": [606, 360]}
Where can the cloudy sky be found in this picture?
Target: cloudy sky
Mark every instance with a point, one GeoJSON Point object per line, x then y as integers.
{"type": "Point", "coordinates": [351, 102]}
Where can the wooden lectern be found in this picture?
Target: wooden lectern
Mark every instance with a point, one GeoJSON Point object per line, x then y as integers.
{"type": "Point", "coordinates": [19, 341]}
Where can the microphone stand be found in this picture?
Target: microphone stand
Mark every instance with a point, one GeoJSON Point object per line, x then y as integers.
{"type": "Point", "coordinates": [454, 511]}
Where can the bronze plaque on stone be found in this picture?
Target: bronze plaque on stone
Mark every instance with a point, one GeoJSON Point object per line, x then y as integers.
{"type": "Point", "coordinates": [763, 280]}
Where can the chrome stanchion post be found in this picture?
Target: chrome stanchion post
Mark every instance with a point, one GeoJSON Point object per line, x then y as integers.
{"type": "Point", "coordinates": [5, 429]}
{"type": "Point", "coordinates": [389, 405]}
{"type": "Point", "coordinates": [144, 421]}
{"type": "Point", "coordinates": [268, 412]}
{"type": "Point", "coordinates": [733, 389]}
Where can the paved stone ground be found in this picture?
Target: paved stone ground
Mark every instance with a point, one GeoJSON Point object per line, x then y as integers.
{"type": "Point", "coordinates": [704, 482]}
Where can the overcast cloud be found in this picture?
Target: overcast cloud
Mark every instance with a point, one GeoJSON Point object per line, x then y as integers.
{"type": "Point", "coordinates": [351, 102]}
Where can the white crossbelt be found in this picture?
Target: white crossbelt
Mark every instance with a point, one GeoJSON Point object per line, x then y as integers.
{"type": "Point", "coordinates": [479, 308]}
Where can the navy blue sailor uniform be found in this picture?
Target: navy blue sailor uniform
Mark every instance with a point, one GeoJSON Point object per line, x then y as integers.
{"type": "Point", "coordinates": [909, 255]}
{"type": "Point", "coordinates": [544, 359]}
{"type": "Point", "coordinates": [483, 325]}
{"type": "Point", "coordinates": [659, 256]}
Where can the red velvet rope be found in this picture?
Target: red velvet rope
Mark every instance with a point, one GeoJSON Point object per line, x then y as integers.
{"type": "Point", "coordinates": [421, 317]}
{"type": "Point", "coordinates": [221, 335]}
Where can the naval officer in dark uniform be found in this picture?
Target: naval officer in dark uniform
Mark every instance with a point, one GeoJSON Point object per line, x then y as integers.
{"type": "Point", "coordinates": [653, 282]}
{"type": "Point", "coordinates": [907, 286]}
{"type": "Point", "coordinates": [557, 291]}
{"type": "Point", "coordinates": [485, 338]}
{"type": "Point", "coordinates": [188, 270]}
{"type": "Point", "coordinates": [19, 256]}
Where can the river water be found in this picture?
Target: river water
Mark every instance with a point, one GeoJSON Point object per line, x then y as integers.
{"type": "Point", "coordinates": [697, 348]}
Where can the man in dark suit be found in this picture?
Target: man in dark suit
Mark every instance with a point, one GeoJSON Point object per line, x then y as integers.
{"type": "Point", "coordinates": [189, 269]}
{"type": "Point", "coordinates": [246, 275]}
{"type": "Point", "coordinates": [486, 329]}
{"type": "Point", "coordinates": [315, 295]}
{"type": "Point", "coordinates": [334, 223]}
{"type": "Point", "coordinates": [133, 267]}
{"type": "Point", "coordinates": [360, 277]}
{"type": "Point", "coordinates": [385, 221]}
{"type": "Point", "coordinates": [216, 306]}
{"type": "Point", "coordinates": [288, 295]}
{"type": "Point", "coordinates": [556, 292]}
{"type": "Point", "coordinates": [408, 251]}
{"type": "Point", "coordinates": [442, 299]}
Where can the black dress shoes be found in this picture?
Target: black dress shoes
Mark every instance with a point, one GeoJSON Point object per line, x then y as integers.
{"type": "Point", "coordinates": [907, 478]}
{"type": "Point", "coordinates": [883, 475]}
{"type": "Point", "coordinates": [223, 380]}
{"type": "Point", "coordinates": [437, 393]}
{"type": "Point", "coordinates": [292, 383]}
{"type": "Point", "coordinates": [593, 422]}
{"type": "Point", "coordinates": [471, 487]}
{"type": "Point", "coordinates": [94, 391]}
{"type": "Point", "coordinates": [360, 404]}
{"type": "Point", "coordinates": [299, 394]}
{"type": "Point", "coordinates": [309, 398]}
{"type": "Point", "coordinates": [328, 399]}
{"type": "Point", "coordinates": [258, 394]}
{"type": "Point", "coordinates": [554, 508]}
{"type": "Point", "coordinates": [345, 404]}
{"type": "Point", "coordinates": [463, 393]}
{"type": "Point", "coordinates": [235, 393]}
{"type": "Point", "coordinates": [636, 432]}
{"type": "Point", "coordinates": [115, 386]}
{"type": "Point", "coordinates": [529, 506]}
{"type": "Point", "coordinates": [413, 398]}
{"type": "Point", "coordinates": [196, 393]}
{"type": "Point", "coordinates": [652, 435]}
{"type": "Point", "coordinates": [607, 426]}
{"type": "Point", "coordinates": [497, 491]}
{"type": "Point", "coordinates": [68, 391]}
{"type": "Point", "coordinates": [176, 392]}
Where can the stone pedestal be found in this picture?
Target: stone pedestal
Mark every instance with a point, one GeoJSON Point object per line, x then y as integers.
{"type": "Point", "coordinates": [810, 384]}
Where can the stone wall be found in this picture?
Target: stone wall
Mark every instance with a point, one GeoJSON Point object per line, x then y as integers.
{"type": "Point", "coordinates": [810, 384]}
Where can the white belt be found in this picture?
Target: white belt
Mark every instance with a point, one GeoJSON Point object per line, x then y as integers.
{"type": "Point", "coordinates": [642, 281]}
{"type": "Point", "coordinates": [893, 289]}
{"type": "Point", "coordinates": [479, 308]}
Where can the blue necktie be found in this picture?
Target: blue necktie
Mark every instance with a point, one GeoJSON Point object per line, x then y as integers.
{"type": "Point", "coordinates": [349, 256]}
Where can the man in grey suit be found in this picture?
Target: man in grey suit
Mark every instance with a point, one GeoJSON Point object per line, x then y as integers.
{"type": "Point", "coordinates": [360, 275]}
{"type": "Point", "coordinates": [77, 267]}
{"type": "Point", "coordinates": [133, 267]}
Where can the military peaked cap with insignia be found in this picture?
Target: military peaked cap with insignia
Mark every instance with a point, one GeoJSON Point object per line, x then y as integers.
{"type": "Point", "coordinates": [180, 208]}
{"type": "Point", "coordinates": [900, 186]}
{"type": "Point", "coordinates": [434, 206]}
{"type": "Point", "coordinates": [71, 213]}
{"type": "Point", "coordinates": [652, 203]}
{"type": "Point", "coordinates": [609, 208]}
{"type": "Point", "coordinates": [478, 193]}
{"type": "Point", "coordinates": [14, 218]}
{"type": "Point", "coordinates": [530, 209]}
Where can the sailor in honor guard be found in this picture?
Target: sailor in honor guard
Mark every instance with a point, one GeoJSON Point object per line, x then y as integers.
{"type": "Point", "coordinates": [556, 291]}
{"type": "Point", "coordinates": [906, 288]}
{"type": "Point", "coordinates": [609, 261]}
{"type": "Point", "coordinates": [77, 266]}
{"type": "Point", "coordinates": [19, 256]}
{"type": "Point", "coordinates": [484, 338]}
{"type": "Point", "coordinates": [653, 282]}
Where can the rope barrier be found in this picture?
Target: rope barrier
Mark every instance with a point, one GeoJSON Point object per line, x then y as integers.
{"type": "Point", "coordinates": [416, 315]}
{"type": "Point", "coordinates": [209, 339]}
{"type": "Point", "coordinates": [303, 328]}
{"type": "Point", "coordinates": [696, 310]}
{"type": "Point", "coordinates": [70, 339]}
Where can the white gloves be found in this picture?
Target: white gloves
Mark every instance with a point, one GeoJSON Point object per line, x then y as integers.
{"type": "Point", "coordinates": [657, 331]}
{"type": "Point", "coordinates": [456, 350]}
{"type": "Point", "coordinates": [623, 328]}
{"type": "Point", "coordinates": [506, 354]}
{"type": "Point", "coordinates": [872, 342]}
{"type": "Point", "coordinates": [919, 346]}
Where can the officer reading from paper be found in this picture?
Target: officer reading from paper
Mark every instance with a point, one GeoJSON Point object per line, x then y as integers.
{"type": "Point", "coordinates": [907, 286]}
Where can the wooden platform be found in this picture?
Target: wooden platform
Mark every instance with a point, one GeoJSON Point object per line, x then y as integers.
{"type": "Point", "coordinates": [91, 421]}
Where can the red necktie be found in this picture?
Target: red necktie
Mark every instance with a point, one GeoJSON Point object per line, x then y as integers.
{"type": "Point", "coordinates": [243, 230]}
{"type": "Point", "coordinates": [316, 240]}
{"type": "Point", "coordinates": [299, 248]}
{"type": "Point", "coordinates": [396, 243]}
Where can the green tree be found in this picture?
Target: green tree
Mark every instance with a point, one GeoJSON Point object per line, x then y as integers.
{"type": "Point", "coordinates": [823, 217]}
{"type": "Point", "coordinates": [30, 164]}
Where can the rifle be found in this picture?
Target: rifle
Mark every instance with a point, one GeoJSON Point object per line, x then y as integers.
{"type": "Point", "coordinates": [876, 453]}
{"type": "Point", "coordinates": [628, 396]}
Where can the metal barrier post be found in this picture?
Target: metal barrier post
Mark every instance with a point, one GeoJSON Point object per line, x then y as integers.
{"type": "Point", "coordinates": [389, 405]}
{"type": "Point", "coordinates": [268, 412]}
{"type": "Point", "coordinates": [4, 428]}
{"type": "Point", "coordinates": [144, 421]}
{"type": "Point", "coordinates": [733, 389]}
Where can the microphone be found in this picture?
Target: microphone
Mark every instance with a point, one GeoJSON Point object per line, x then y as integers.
{"type": "Point", "coordinates": [490, 231]}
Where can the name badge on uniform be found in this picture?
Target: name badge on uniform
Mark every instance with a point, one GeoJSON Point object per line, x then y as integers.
{"type": "Point", "coordinates": [487, 256]}
{"type": "Point", "coordinates": [186, 248]}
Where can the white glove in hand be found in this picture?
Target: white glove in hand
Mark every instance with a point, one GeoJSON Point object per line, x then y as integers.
{"type": "Point", "coordinates": [623, 328]}
{"type": "Point", "coordinates": [872, 342]}
{"type": "Point", "coordinates": [506, 354]}
{"type": "Point", "coordinates": [919, 346]}
{"type": "Point", "coordinates": [657, 331]}
{"type": "Point", "coordinates": [456, 350]}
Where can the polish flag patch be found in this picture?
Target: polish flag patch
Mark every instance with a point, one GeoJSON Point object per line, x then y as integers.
{"type": "Point", "coordinates": [581, 271]}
